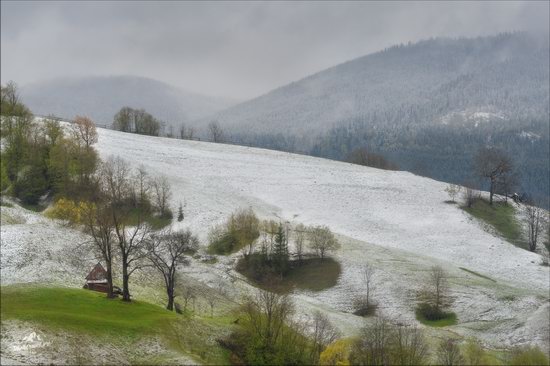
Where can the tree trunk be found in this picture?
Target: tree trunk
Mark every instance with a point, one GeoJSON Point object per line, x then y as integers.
{"type": "Point", "coordinates": [170, 293]}
{"type": "Point", "coordinates": [125, 280]}
{"type": "Point", "coordinates": [110, 294]}
{"type": "Point", "coordinates": [492, 191]}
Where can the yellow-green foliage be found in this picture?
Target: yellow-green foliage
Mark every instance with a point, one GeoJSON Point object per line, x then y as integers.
{"type": "Point", "coordinates": [337, 353]}
{"type": "Point", "coordinates": [4, 180]}
{"type": "Point", "coordinates": [474, 354]}
{"type": "Point", "coordinates": [69, 210]}
{"type": "Point", "coordinates": [528, 356]}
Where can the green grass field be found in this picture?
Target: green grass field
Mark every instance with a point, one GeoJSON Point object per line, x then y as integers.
{"type": "Point", "coordinates": [86, 312]}
{"type": "Point", "coordinates": [82, 311]}
{"type": "Point", "coordinates": [500, 216]}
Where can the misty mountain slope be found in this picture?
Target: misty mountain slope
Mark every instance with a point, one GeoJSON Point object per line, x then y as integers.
{"type": "Point", "coordinates": [508, 72]}
{"type": "Point", "coordinates": [427, 106]}
{"type": "Point", "coordinates": [101, 97]}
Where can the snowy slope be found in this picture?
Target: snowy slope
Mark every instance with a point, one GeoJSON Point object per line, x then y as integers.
{"type": "Point", "coordinates": [389, 209]}
{"type": "Point", "coordinates": [395, 221]}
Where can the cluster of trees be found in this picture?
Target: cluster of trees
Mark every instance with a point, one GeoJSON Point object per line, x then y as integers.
{"type": "Point", "coordinates": [118, 220]}
{"type": "Point", "coordinates": [268, 335]}
{"type": "Point", "coordinates": [41, 158]}
{"type": "Point", "coordinates": [362, 156]}
{"type": "Point", "coordinates": [136, 121]}
{"type": "Point", "coordinates": [273, 261]}
{"type": "Point", "coordinates": [385, 343]}
{"type": "Point", "coordinates": [495, 168]}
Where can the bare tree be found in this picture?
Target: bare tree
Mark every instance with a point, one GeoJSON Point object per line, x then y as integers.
{"type": "Point", "coordinates": [439, 287]}
{"type": "Point", "coordinates": [116, 186]}
{"type": "Point", "coordinates": [84, 130]}
{"type": "Point", "coordinates": [215, 131]}
{"type": "Point", "coordinates": [267, 313]}
{"type": "Point", "coordinates": [322, 240]}
{"type": "Point", "coordinates": [492, 164]}
{"type": "Point", "coordinates": [167, 251]}
{"type": "Point", "coordinates": [533, 218]}
{"type": "Point", "coordinates": [132, 244]}
{"type": "Point", "coordinates": [162, 194]}
{"type": "Point", "coordinates": [211, 301]}
{"type": "Point", "coordinates": [300, 234]}
{"type": "Point", "coordinates": [409, 346]}
{"type": "Point", "coordinates": [141, 187]}
{"type": "Point", "coordinates": [453, 190]}
{"type": "Point", "coordinates": [188, 294]}
{"type": "Point", "coordinates": [99, 224]}
{"type": "Point", "coordinates": [469, 196]}
{"type": "Point", "coordinates": [186, 133]}
{"type": "Point", "coordinates": [323, 333]}
{"type": "Point", "coordinates": [448, 353]}
{"type": "Point", "coordinates": [373, 347]}
{"type": "Point", "coordinates": [368, 277]}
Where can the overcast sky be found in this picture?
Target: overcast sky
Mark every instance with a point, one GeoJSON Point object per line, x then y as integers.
{"type": "Point", "coordinates": [233, 49]}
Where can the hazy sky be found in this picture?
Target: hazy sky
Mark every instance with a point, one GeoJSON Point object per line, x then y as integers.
{"type": "Point", "coordinates": [234, 49]}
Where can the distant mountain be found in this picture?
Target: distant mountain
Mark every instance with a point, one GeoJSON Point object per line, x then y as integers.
{"type": "Point", "coordinates": [101, 97]}
{"type": "Point", "coordinates": [507, 73]}
{"type": "Point", "coordinates": [428, 106]}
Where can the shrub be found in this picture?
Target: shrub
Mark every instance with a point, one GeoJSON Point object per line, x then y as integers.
{"type": "Point", "coordinates": [528, 356]}
{"type": "Point", "coordinates": [4, 179]}
{"type": "Point", "coordinates": [474, 354]}
{"type": "Point", "coordinates": [69, 210]}
{"type": "Point", "coordinates": [226, 243]}
{"type": "Point", "coordinates": [239, 231]}
{"type": "Point", "coordinates": [363, 307]}
{"type": "Point", "coordinates": [337, 353]}
{"type": "Point", "coordinates": [431, 312]}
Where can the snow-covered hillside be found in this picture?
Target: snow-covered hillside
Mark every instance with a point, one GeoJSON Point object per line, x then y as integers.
{"type": "Point", "coordinates": [391, 209]}
{"type": "Point", "coordinates": [395, 221]}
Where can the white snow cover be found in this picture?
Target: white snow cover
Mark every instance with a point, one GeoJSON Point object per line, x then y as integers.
{"type": "Point", "coordinates": [396, 221]}
{"type": "Point", "coordinates": [390, 209]}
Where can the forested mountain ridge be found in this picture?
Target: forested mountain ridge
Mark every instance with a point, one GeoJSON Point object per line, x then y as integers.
{"type": "Point", "coordinates": [100, 97]}
{"type": "Point", "coordinates": [415, 83]}
{"type": "Point", "coordinates": [427, 106]}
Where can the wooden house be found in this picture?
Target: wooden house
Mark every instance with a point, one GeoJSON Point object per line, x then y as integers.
{"type": "Point", "coordinates": [96, 280]}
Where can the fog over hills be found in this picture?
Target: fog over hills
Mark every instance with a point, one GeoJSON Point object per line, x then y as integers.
{"type": "Point", "coordinates": [100, 97]}
{"type": "Point", "coordinates": [428, 106]}
{"type": "Point", "coordinates": [506, 73]}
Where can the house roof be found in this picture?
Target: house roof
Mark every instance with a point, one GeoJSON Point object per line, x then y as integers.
{"type": "Point", "coordinates": [97, 273]}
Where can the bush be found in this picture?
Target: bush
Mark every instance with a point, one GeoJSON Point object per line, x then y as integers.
{"type": "Point", "coordinates": [430, 315]}
{"type": "Point", "coordinates": [337, 353]}
{"type": "Point", "coordinates": [431, 312]}
{"type": "Point", "coordinates": [226, 243]}
{"type": "Point", "coordinates": [528, 356]}
{"type": "Point", "coordinates": [239, 231]}
{"type": "Point", "coordinates": [4, 179]}
{"type": "Point", "coordinates": [69, 210]}
{"type": "Point", "coordinates": [362, 307]}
